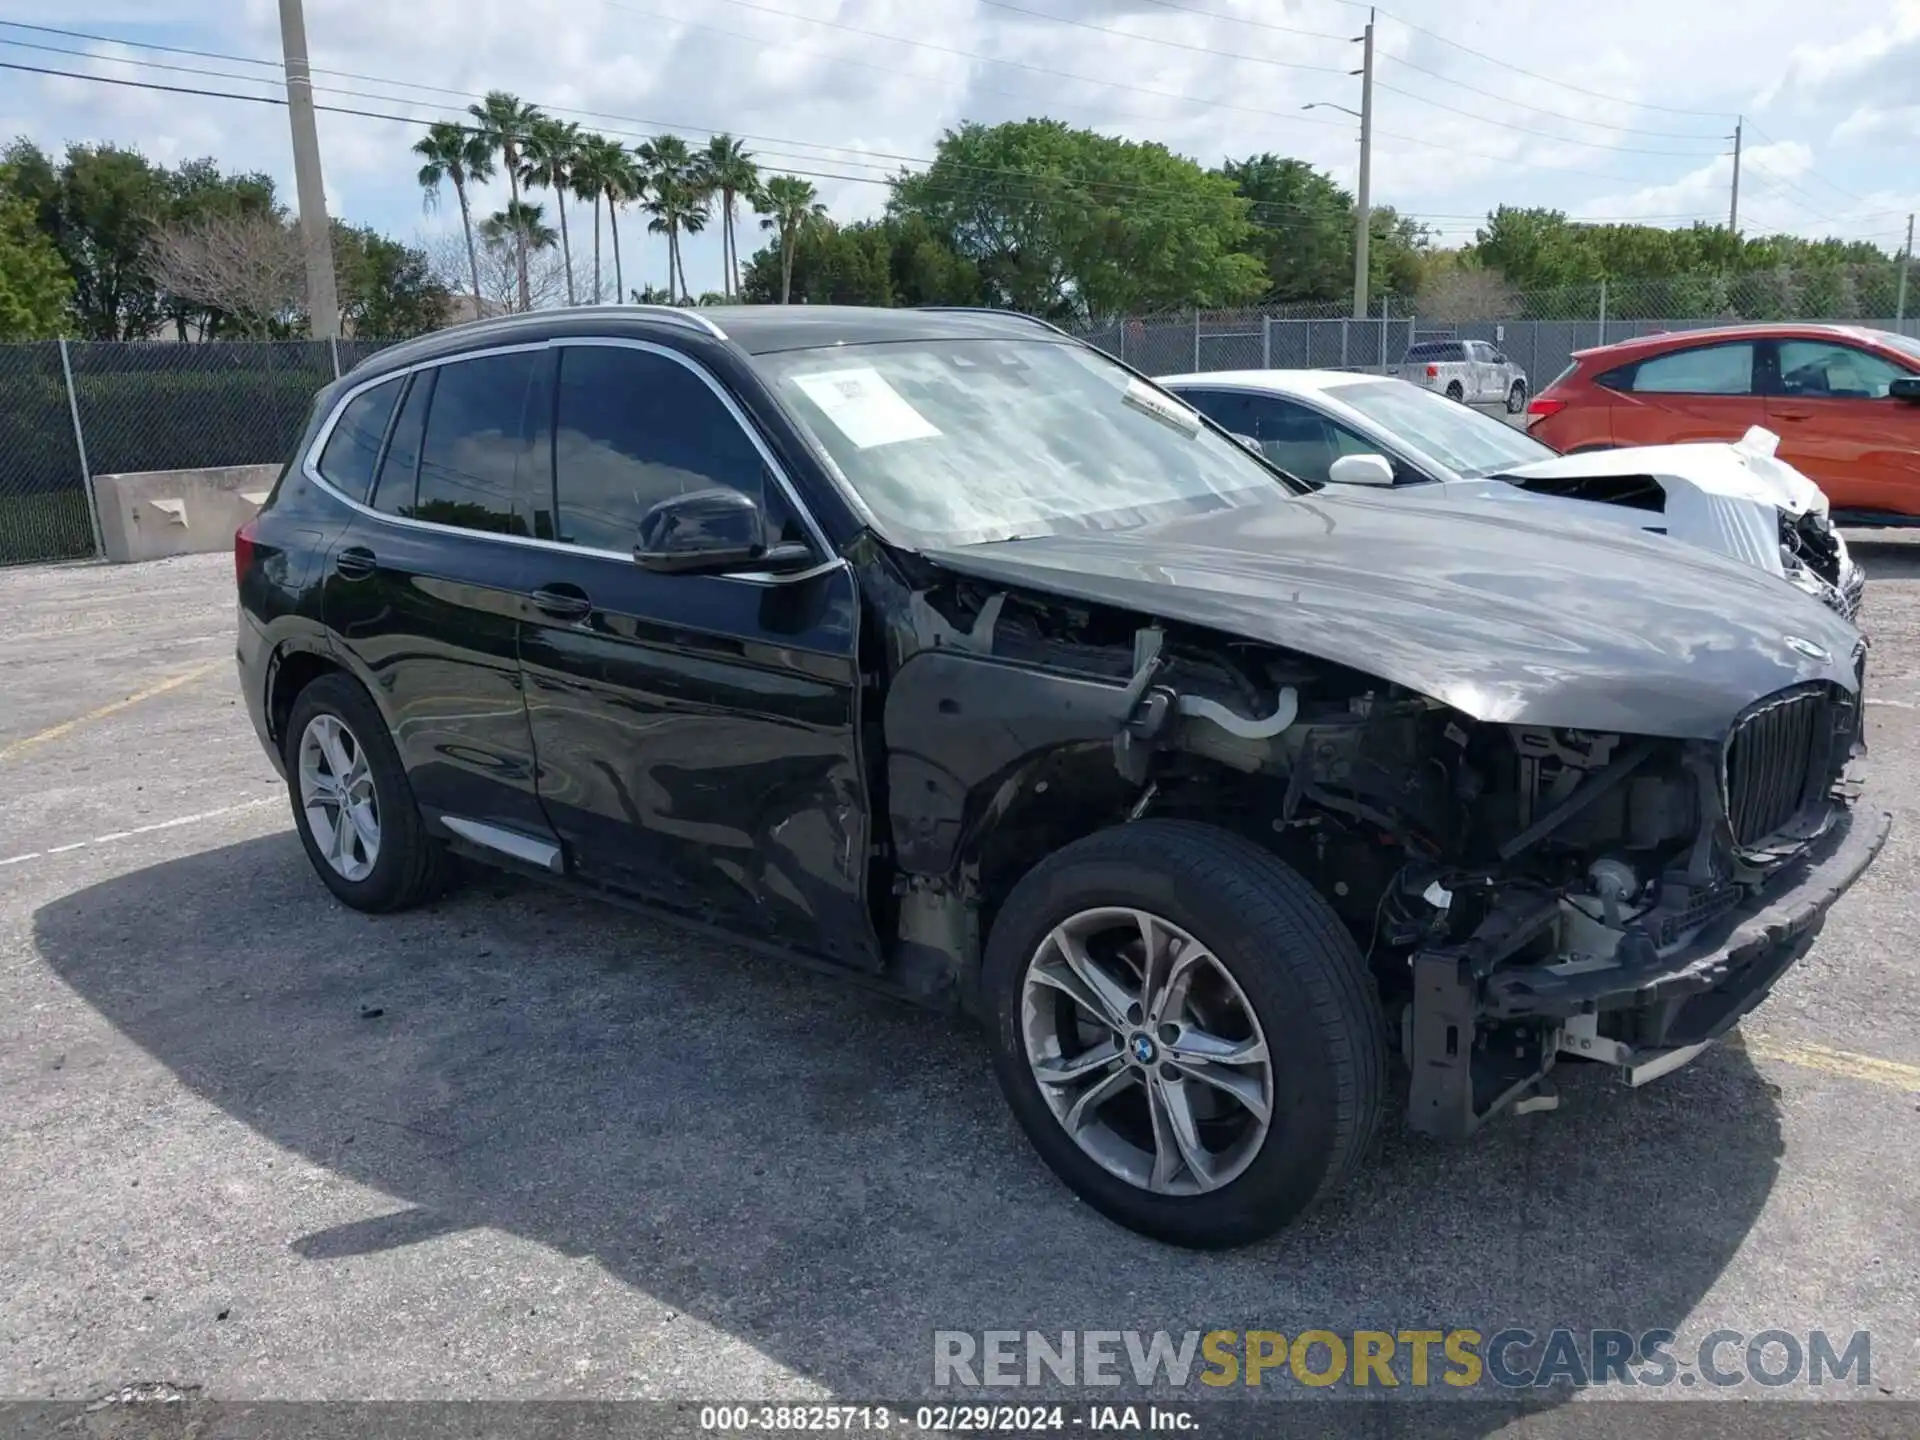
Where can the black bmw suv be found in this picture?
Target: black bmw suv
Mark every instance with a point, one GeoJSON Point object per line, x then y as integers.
{"type": "Point", "coordinates": [939, 648]}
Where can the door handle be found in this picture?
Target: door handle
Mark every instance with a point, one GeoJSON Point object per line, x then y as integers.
{"type": "Point", "coordinates": [563, 602]}
{"type": "Point", "coordinates": [1793, 414]}
{"type": "Point", "coordinates": [356, 562]}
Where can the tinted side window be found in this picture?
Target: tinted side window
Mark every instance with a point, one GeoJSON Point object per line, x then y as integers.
{"type": "Point", "coordinates": [1709, 370]}
{"type": "Point", "coordinates": [1231, 410]}
{"type": "Point", "coordinates": [354, 446]}
{"type": "Point", "coordinates": [1819, 368]}
{"type": "Point", "coordinates": [400, 469]}
{"type": "Point", "coordinates": [633, 428]}
{"type": "Point", "coordinates": [474, 443]}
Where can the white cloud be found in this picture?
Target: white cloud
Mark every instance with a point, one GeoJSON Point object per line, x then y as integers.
{"type": "Point", "coordinates": [818, 96]}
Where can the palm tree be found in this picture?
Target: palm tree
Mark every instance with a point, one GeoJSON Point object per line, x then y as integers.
{"type": "Point", "coordinates": [677, 197]}
{"type": "Point", "coordinates": [523, 229]}
{"type": "Point", "coordinates": [604, 171]}
{"type": "Point", "coordinates": [792, 208]}
{"type": "Point", "coordinates": [459, 157]}
{"type": "Point", "coordinates": [552, 150]}
{"type": "Point", "coordinates": [505, 123]}
{"type": "Point", "coordinates": [731, 174]}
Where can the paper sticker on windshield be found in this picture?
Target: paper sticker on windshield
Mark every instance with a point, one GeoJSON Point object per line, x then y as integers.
{"type": "Point", "coordinates": [865, 408]}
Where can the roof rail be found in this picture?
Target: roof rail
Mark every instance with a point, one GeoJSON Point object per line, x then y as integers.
{"type": "Point", "coordinates": [682, 313]}
{"type": "Point", "coordinates": [991, 310]}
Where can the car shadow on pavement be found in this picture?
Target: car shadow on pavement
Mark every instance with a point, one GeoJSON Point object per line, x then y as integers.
{"type": "Point", "coordinates": [823, 1174]}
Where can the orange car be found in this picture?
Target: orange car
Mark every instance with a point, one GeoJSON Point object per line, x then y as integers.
{"type": "Point", "coordinates": [1844, 400]}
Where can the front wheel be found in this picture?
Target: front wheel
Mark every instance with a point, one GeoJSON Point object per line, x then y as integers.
{"type": "Point", "coordinates": [1185, 1030]}
{"type": "Point", "coordinates": [1517, 397]}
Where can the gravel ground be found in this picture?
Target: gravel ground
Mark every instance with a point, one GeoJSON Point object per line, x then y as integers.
{"type": "Point", "coordinates": [516, 1145]}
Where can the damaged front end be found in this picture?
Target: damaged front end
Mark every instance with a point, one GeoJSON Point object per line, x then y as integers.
{"type": "Point", "coordinates": [1557, 892]}
{"type": "Point", "coordinates": [1521, 891]}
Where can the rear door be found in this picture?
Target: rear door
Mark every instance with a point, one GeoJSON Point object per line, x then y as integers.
{"type": "Point", "coordinates": [696, 734]}
{"type": "Point", "coordinates": [1703, 392]}
{"type": "Point", "coordinates": [1836, 422]}
{"type": "Point", "coordinates": [1484, 379]}
{"type": "Point", "coordinates": [424, 591]}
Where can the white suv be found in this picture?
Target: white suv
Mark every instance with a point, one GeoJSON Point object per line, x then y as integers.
{"type": "Point", "coordinates": [1471, 371]}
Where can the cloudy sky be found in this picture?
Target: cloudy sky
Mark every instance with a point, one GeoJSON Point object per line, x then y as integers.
{"type": "Point", "coordinates": [1609, 112]}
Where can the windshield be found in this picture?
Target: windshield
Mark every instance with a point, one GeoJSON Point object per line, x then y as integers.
{"type": "Point", "coordinates": [960, 442]}
{"type": "Point", "coordinates": [1905, 344]}
{"type": "Point", "coordinates": [1470, 444]}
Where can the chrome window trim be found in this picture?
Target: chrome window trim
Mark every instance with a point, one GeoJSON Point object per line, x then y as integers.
{"type": "Point", "coordinates": [310, 461]}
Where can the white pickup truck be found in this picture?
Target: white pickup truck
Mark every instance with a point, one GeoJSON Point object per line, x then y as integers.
{"type": "Point", "coordinates": [1471, 371]}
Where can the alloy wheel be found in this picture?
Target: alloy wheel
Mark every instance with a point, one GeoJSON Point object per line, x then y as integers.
{"type": "Point", "coordinates": [338, 797]}
{"type": "Point", "coordinates": [1147, 1051]}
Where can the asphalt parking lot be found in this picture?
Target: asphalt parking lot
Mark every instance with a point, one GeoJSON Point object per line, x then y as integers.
{"type": "Point", "coordinates": [515, 1145]}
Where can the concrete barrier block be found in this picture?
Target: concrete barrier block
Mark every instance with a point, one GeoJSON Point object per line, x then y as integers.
{"type": "Point", "coordinates": [150, 514]}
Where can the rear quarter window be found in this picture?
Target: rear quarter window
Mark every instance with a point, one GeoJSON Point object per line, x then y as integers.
{"type": "Point", "coordinates": [354, 446]}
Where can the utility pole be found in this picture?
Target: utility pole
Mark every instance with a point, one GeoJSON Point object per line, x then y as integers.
{"type": "Point", "coordinates": [1362, 214]}
{"type": "Point", "coordinates": [323, 297]}
{"type": "Point", "coordinates": [1906, 264]}
{"type": "Point", "coordinates": [1733, 215]}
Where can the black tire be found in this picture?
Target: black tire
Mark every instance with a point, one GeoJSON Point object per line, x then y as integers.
{"type": "Point", "coordinates": [411, 866]}
{"type": "Point", "coordinates": [1297, 966]}
{"type": "Point", "coordinates": [1517, 397]}
{"type": "Point", "coordinates": [1456, 392]}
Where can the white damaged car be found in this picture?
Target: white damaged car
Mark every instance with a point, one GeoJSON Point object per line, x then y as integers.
{"type": "Point", "coordinates": [1338, 427]}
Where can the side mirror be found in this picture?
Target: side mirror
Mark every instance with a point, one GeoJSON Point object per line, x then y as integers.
{"type": "Point", "coordinates": [710, 532]}
{"type": "Point", "coordinates": [1907, 388]}
{"type": "Point", "coordinates": [1361, 470]}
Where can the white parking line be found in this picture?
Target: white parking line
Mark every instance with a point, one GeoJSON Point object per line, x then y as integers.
{"type": "Point", "coordinates": [143, 830]}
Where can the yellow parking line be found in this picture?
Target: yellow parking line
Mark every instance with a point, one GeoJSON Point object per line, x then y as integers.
{"type": "Point", "coordinates": [1889, 1073]}
{"type": "Point", "coordinates": [55, 732]}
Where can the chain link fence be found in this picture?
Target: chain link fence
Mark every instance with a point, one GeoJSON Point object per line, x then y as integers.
{"type": "Point", "coordinates": [73, 410]}
{"type": "Point", "coordinates": [1540, 331]}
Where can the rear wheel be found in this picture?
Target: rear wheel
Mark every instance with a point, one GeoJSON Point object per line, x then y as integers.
{"type": "Point", "coordinates": [1185, 1030]}
{"type": "Point", "coordinates": [351, 802]}
{"type": "Point", "coordinates": [1517, 397]}
{"type": "Point", "coordinates": [1455, 391]}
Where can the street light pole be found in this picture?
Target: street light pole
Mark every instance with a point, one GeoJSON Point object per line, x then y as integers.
{"type": "Point", "coordinates": [1363, 215]}
{"type": "Point", "coordinates": [323, 296]}
{"type": "Point", "coordinates": [1733, 213]}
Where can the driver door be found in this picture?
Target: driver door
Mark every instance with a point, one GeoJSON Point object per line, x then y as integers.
{"type": "Point", "coordinates": [694, 734]}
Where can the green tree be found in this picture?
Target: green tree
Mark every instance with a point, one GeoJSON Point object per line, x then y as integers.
{"type": "Point", "coordinates": [552, 152]}
{"type": "Point", "coordinates": [1077, 225]}
{"type": "Point", "coordinates": [456, 155]}
{"type": "Point", "coordinates": [34, 284]}
{"type": "Point", "coordinates": [387, 290]}
{"type": "Point", "coordinates": [731, 175]}
{"type": "Point", "coordinates": [245, 209]}
{"type": "Point", "coordinates": [791, 208]}
{"type": "Point", "coordinates": [506, 123]}
{"type": "Point", "coordinates": [1302, 227]}
{"type": "Point", "coordinates": [676, 197]}
{"type": "Point", "coordinates": [99, 205]}
{"type": "Point", "coordinates": [522, 227]}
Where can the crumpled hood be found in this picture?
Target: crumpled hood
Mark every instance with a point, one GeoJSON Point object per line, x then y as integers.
{"type": "Point", "coordinates": [1506, 618]}
{"type": "Point", "coordinates": [1746, 470]}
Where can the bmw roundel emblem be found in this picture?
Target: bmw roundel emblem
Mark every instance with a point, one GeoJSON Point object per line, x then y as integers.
{"type": "Point", "coordinates": [1807, 648]}
{"type": "Point", "coordinates": [1143, 1049]}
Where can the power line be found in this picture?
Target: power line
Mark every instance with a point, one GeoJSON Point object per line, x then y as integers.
{"type": "Point", "coordinates": [1406, 64]}
{"type": "Point", "coordinates": [418, 121]}
{"type": "Point", "coordinates": [1160, 39]}
{"type": "Point", "coordinates": [1260, 24]}
{"type": "Point", "coordinates": [1530, 130]}
{"type": "Point", "coordinates": [1281, 116]}
{"type": "Point", "coordinates": [762, 40]}
{"type": "Point", "coordinates": [1811, 174]}
{"type": "Point", "coordinates": [1547, 79]}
